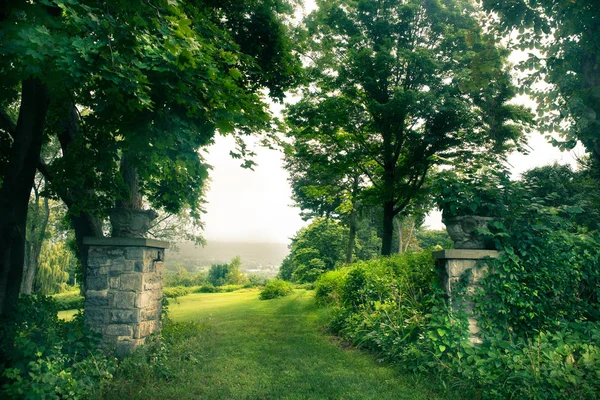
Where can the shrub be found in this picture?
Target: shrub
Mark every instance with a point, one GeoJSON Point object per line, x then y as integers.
{"type": "Point", "coordinates": [44, 357]}
{"type": "Point", "coordinates": [275, 288]}
{"type": "Point", "coordinates": [69, 301]}
{"type": "Point", "coordinates": [207, 288]}
{"type": "Point", "coordinates": [183, 278]}
{"type": "Point", "coordinates": [227, 274]}
{"type": "Point", "coordinates": [174, 292]}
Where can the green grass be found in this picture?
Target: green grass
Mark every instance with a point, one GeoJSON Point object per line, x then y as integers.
{"type": "Point", "coordinates": [246, 348]}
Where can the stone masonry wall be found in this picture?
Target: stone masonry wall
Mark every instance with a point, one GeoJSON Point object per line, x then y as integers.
{"type": "Point", "coordinates": [124, 290]}
{"type": "Point", "coordinates": [457, 264]}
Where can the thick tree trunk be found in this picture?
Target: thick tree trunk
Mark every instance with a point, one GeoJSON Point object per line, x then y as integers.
{"type": "Point", "coordinates": [352, 222]}
{"type": "Point", "coordinates": [388, 228]}
{"type": "Point", "coordinates": [351, 237]}
{"type": "Point", "coordinates": [84, 224]}
{"type": "Point", "coordinates": [33, 246]}
{"type": "Point", "coordinates": [130, 176]}
{"type": "Point", "coordinates": [16, 188]}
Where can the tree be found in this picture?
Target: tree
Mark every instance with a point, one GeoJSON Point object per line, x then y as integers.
{"type": "Point", "coordinates": [561, 71]}
{"type": "Point", "coordinates": [411, 84]}
{"type": "Point", "coordinates": [144, 84]}
{"type": "Point", "coordinates": [317, 248]}
{"type": "Point", "coordinates": [560, 187]}
{"type": "Point", "coordinates": [227, 274]}
{"type": "Point", "coordinates": [52, 275]}
{"type": "Point", "coordinates": [325, 183]}
{"type": "Point", "coordinates": [38, 217]}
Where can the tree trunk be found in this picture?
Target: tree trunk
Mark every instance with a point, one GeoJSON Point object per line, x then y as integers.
{"type": "Point", "coordinates": [131, 179]}
{"type": "Point", "coordinates": [399, 228]}
{"type": "Point", "coordinates": [352, 223]}
{"type": "Point", "coordinates": [33, 246]}
{"type": "Point", "coordinates": [16, 189]}
{"type": "Point", "coordinates": [388, 228]}
{"type": "Point", "coordinates": [84, 224]}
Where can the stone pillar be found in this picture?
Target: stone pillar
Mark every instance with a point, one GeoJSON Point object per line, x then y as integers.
{"type": "Point", "coordinates": [123, 299]}
{"type": "Point", "coordinates": [453, 265]}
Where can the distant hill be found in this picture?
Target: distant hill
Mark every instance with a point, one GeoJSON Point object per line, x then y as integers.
{"type": "Point", "coordinates": [265, 257]}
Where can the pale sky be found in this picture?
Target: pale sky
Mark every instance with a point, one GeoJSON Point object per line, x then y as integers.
{"type": "Point", "coordinates": [255, 206]}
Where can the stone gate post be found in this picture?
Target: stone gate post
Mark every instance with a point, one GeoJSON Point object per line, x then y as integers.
{"type": "Point", "coordinates": [453, 264]}
{"type": "Point", "coordinates": [123, 299]}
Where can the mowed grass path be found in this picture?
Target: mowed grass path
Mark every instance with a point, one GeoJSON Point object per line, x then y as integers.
{"type": "Point", "coordinates": [274, 349]}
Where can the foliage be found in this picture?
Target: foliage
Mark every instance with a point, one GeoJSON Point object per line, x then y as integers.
{"type": "Point", "coordinates": [548, 271]}
{"type": "Point", "coordinates": [368, 103]}
{"type": "Point", "coordinates": [173, 292]}
{"type": "Point", "coordinates": [54, 261]}
{"type": "Point", "coordinates": [558, 364]}
{"type": "Point", "coordinates": [374, 306]}
{"type": "Point", "coordinates": [48, 358]}
{"type": "Point", "coordinates": [559, 185]}
{"type": "Point", "coordinates": [328, 286]}
{"type": "Point", "coordinates": [275, 288]}
{"type": "Point", "coordinates": [429, 239]}
{"type": "Point", "coordinates": [315, 249]}
{"type": "Point", "coordinates": [183, 278]}
{"type": "Point", "coordinates": [71, 300]}
{"type": "Point", "coordinates": [150, 83]}
{"type": "Point", "coordinates": [223, 274]}
{"type": "Point", "coordinates": [471, 191]}
{"type": "Point", "coordinates": [560, 40]}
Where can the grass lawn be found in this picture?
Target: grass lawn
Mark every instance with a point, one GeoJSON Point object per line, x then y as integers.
{"type": "Point", "coordinates": [246, 348]}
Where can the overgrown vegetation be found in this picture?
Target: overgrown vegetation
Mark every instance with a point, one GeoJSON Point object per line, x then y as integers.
{"type": "Point", "coordinates": [275, 288]}
{"type": "Point", "coordinates": [538, 306]}
{"type": "Point", "coordinates": [45, 358]}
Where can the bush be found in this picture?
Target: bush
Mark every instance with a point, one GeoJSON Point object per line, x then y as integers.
{"type": "Point", "coordinates": [207, 288]}
{"type": "Point", "coordinates": [328, 287]}
{"type": "Point", "coordinates": [174, 292]}
{"type": "Point", "coordinates": [227, 274]}
{"type": "Point", "coordinates": [275, 288]}
{"type": "Point", "coordinates": [183, 278]}
{"type": "Point", "coordinates": [69, 301]}
{"type": "Point", "coordinates": [44, 357]}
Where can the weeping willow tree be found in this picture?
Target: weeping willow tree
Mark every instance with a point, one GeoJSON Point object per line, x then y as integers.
{"type": "Point", "coordinates": [52, 275]}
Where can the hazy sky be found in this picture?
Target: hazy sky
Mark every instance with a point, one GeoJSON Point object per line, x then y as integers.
{"type": "Point", "coordinates": [256, 205]}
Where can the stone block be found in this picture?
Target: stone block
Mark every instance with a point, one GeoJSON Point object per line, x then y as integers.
{"type": "Point", "coordinates": [456, 268]}
{"type": "Point", "coordinates": [114, 281]}
{"type": "Point", "coordinates": [118, 330]}
{"type": "Point", "coordinates": [122, 300]}
{"type": "Point", "coordinates": [134, 253]}
{"type": "Point", "coordinates": [150, 314]}
{"type": "Point", "coordinates": [151, 255]}
{"type": "Point", "coordinates": [97, 282]}
{"type": "Point", "coordinates": [157, 295]}
{"type": "Point", "coordinates": [151, 286]}
{"type": "Point", "coordinates": [123, 316]}
{"type": "Point", "coordinates": [115, 252]}
{"type": "Point", "coordinates": [145, 329]}
{"type": "Point", "coordinates": [95, 317]}
{"type": "Point", "coordinates": [132, 282]}
{"type": "Point", "coordinates": [126, 346]}
{"type": "Point", "coordinates": [139, 266]}
{"type": "Point", "coordinates": [120, 265]}
{"type": "Point", "coordinates": [143, 300]}
{"type": "Point", "coordinates": [159, 267]}
{"type": "Point", "coordinates": [96, 298]}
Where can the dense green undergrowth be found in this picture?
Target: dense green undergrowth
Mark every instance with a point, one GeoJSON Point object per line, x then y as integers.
{"type": "Point", "coordinates": [276, 288]}
{"type": "Point", "coordinates": [394, 308]}
{"type": "Point", "coordinates": [45, 358]}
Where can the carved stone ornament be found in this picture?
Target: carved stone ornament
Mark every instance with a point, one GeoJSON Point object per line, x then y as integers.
{"type": "Point", "coordinates": [131, 223]}
{"type": "Point", "coordinates": [462, 230]}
